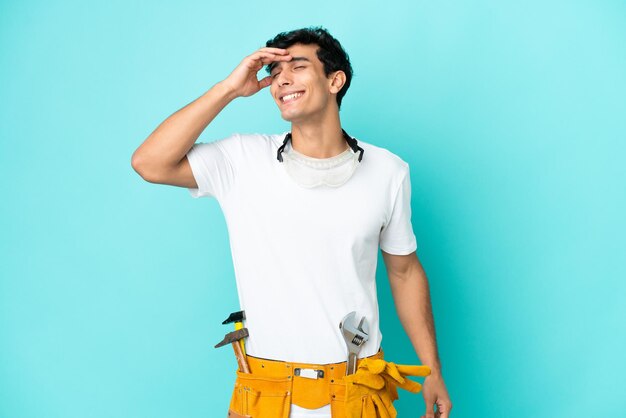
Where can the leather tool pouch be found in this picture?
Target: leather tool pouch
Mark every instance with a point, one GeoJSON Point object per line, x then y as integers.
{"type": "Point", "coordinates": [271, 387]}
{"type": "Point", "coordinates": [260, 397]}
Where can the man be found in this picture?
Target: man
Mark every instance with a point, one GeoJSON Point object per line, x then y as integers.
{"type": "Point", "coordinates": [306, 212]}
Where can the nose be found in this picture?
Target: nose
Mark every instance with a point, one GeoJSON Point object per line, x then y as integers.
{"type": "Point", "coordinates": [283, 79]}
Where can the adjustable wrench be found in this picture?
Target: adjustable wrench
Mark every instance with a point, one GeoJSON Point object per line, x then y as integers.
{"type": "Point", "coordinates": [355, 334]}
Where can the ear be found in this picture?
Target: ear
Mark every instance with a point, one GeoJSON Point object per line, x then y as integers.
{"type": "Point", "coordinates": [337, 81]}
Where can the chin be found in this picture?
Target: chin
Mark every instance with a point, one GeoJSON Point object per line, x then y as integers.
{"type": "Point", "coordinates": [290, 117]}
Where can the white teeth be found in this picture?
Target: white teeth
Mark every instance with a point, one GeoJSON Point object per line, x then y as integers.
{"type": "Point", "coordinates": [291, 96]}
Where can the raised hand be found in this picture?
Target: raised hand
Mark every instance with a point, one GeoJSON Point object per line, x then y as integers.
{"type": "Point", "coordinates": [243, 80]}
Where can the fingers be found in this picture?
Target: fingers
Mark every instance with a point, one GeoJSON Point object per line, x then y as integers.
{"type": "Point", "coordinates": [444, 408]}
{"type": "Point", "coordinates": [264, 82]}
{"type": "Point", "coordinates": [279, 51]}
{"type": "Point", "coordinates": [430, 410]}
{"type": "Point", "coordinates": [268, 55]}
{"type": "Point", "coordinates": [267, 58]}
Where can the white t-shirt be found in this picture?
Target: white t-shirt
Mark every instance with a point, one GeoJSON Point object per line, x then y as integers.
{"type": "Point", "coordinates": [305, 257]}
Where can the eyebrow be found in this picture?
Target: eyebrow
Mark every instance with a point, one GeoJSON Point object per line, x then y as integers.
{"type": "Point", "coordinates": [273, 65]}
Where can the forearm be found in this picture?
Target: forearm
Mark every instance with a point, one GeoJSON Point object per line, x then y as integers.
{"type": "Point", "coordinates": [411, 294]}
{"type": "Point", "coordinates": [174, 137]}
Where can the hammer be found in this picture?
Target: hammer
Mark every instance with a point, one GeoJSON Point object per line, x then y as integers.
{"type": "Point", "coordinates": [234, 338]}
{"type": "Point", "coordinates": [237, 318]}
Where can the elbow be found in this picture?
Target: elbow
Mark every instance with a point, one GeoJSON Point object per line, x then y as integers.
{"type": "Point", "coordinates": [138, 164]}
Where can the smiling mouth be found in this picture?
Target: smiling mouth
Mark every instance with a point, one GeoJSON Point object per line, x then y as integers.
{"type": "Point", "coordinates": [292, 97]}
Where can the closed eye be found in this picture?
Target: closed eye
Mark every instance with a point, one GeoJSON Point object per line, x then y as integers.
{"type": "Point", "coordinates": [295, 68]}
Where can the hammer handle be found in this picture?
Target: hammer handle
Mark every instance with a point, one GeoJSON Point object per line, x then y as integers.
{"type": "Point", "coordinates": [241, 359]}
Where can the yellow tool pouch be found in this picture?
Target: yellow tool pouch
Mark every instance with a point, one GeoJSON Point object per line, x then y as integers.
{"type": "Point", "coordinates": [260, 397]}
{"type": "Point", "coordinates": [272, 386]}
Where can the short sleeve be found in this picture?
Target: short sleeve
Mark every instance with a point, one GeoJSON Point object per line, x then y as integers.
{"type": "Point", "coordinates": [212, 167]}
{"type": "Point", "coordinates": [396, 236]}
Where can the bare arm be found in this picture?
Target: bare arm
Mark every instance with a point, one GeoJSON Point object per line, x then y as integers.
{"type": "Point", "coordinates": [411, 294]}
{"type": "Point", "coordinates": [158, 158]}
{"type": "Point", "coordinates": [161, 158]}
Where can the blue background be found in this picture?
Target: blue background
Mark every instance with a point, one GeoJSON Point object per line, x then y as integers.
{"type": "Point", "coordinates": [510, 114]}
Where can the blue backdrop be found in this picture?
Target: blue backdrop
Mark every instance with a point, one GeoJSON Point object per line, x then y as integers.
{"type": "Point", "coordinates": [510, 114]}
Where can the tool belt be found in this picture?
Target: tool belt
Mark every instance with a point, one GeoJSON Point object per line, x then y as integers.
{"type": "Point", "coordinates": [271, 386]}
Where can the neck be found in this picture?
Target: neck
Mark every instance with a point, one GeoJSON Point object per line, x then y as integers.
{"type": "Point", "coordinates": [319, 139]}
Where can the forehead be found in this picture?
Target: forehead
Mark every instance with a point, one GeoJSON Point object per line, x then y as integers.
{"type": "Point", "coordinates": [302, 53]}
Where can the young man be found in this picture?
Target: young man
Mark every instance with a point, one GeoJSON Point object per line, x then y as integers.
{"type": "Point", "coordinates": [306, 212]}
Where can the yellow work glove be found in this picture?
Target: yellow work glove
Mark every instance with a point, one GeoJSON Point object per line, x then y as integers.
{"type": "Point", "coordinates": [370, 391]}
